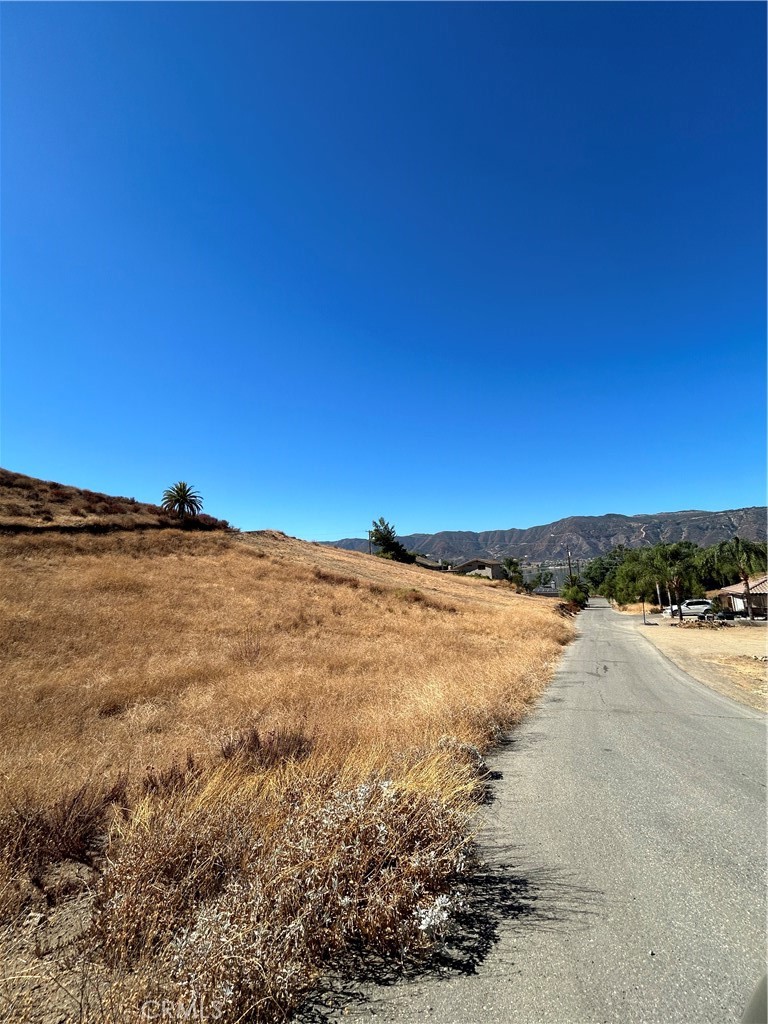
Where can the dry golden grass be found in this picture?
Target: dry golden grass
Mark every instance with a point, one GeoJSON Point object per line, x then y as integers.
{"type": "Point", "coordinates": [636, 608]}
{"type": "Point", "coordinates": [132, 649]}
{"type": "Point", "coordinates": [293, 702]}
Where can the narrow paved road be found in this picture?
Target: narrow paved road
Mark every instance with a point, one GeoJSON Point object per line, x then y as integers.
{"type": "Point", "coordinates": [627, 853]}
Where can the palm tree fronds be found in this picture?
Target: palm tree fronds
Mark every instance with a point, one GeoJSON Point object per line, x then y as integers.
{"type": "Point", "coordinates": [182, 499]}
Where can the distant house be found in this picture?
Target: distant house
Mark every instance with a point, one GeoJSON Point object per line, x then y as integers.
{"type": "Point", "coordinates": [487, 567]}
{"type": "Point", "coordinates": [735, 597]}
{"type": "Point", "coordinates": [428, 563]}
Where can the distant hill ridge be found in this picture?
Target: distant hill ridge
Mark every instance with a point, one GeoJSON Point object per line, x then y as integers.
{"type": "Point", "coordinates": [584, 536]}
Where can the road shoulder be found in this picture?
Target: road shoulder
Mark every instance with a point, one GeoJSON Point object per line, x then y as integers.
{"type": "Point", "coordinates": [724, 660]}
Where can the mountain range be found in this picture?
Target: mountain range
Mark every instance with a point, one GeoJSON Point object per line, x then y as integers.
{"type": "Point", "coordinates": [583, 536]}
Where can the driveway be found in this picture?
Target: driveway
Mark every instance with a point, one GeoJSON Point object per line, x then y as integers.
{"type": "Point", "coordinates": [626, 853]}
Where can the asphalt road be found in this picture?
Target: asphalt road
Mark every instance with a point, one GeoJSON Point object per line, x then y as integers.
{"type": "Point", "coordinates": [626, 851]}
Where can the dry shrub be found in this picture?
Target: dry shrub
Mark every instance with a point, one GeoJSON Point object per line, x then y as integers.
{"type": "Point", "coordinates": [276, 747]}
{"type": "Point", "coordinates": [336, 579]}
{"type": "Point", "coordinates": [73, 826]}
{"type": "Point", "coordinates": [173, 778]}
{"type": "Point", "coordinates": [416, 597]}
{"type": "Point", "coordinates": [24, 483]}
{"type": "Point", "coordinates": [249, 647]}
{"type": "Point", "coordinates": [246, 886]}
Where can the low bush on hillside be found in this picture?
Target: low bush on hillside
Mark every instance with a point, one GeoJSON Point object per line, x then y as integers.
{"type": "Point", "coordinates": [416, 597]}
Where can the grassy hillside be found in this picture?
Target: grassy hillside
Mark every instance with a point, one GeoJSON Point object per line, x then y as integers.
{"type": "Point", "coordinates": [29, 504]}
{"type": "Point", "coordinates": [229, 758]}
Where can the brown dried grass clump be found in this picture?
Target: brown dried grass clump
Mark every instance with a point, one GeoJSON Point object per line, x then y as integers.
{"type": "Point", "coordinates": [261, 752]}
{"type": "Point", "coordinates": [243, 886]}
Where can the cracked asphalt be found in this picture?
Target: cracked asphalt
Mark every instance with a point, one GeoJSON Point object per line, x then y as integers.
{"type": "Point", "coordinates": [626, 851]}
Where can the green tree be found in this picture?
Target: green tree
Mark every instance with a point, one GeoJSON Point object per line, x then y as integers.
{"type": "Point", "coordinates": [182, 500]}
{"type": "Point", "coordinates": [384, 537]}
{"type": "Point", "coordinates": [383, 534]}
{"type": "Point", "coordinates": [543, 578]}
{"type": "Point", "coordinates": [600, 573]}
{"type": "Point", "coordinates": [575, 592]}
{"type": "Point", "coordinates": [513, 572]}
{"type": "Point", "coordinates": [744, 558]}
{"type": "Point", "coordinates": [634, 578]}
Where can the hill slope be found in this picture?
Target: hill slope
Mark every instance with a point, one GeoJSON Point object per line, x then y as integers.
{"type": "Point", "coordinates": [29, 504]}
{"type": "Point", "coordinates": [584, 536]}
{"type": "Point", "coordinates": [307, 715]}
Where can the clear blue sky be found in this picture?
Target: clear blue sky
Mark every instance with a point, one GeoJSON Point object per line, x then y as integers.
{"type": "Point", "coordinates": [464, 266]}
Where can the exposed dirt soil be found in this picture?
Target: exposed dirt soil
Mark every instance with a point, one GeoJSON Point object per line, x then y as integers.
{"type": "Point", "coordinates": [729, 658]}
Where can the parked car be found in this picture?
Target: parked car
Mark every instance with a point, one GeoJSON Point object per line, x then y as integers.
{"type": "Point", "coordinates": [697, 606]}
{"type": "Point", "coordinates": [694, 607]}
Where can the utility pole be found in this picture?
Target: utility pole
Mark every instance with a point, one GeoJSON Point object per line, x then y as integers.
{"type": "Point", "coordinates": [570, 571]}
{"type": "Point", "coordinates": [370, 552]}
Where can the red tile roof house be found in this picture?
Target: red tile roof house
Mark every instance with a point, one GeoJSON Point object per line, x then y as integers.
{"type": "Point", "coordinates": [735, 597]}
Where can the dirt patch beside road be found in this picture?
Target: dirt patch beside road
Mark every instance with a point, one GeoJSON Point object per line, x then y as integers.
{"type": "Point", "coordinates": [728, 659]}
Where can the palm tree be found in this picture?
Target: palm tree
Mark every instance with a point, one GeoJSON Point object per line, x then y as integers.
{"type": "Point", "coordinates": [672, 566]}
{"type": "Point", "coordinates": [182, 500]}
{"type": "Point", "coordinates": [744, 558]}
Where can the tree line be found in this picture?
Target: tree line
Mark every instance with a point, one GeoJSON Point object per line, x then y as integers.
{"type": "Point", "coordinates": [670, 573]}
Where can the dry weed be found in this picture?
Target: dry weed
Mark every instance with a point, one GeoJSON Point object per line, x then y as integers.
{"type": "Point", "coordinates": [245, 886]}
